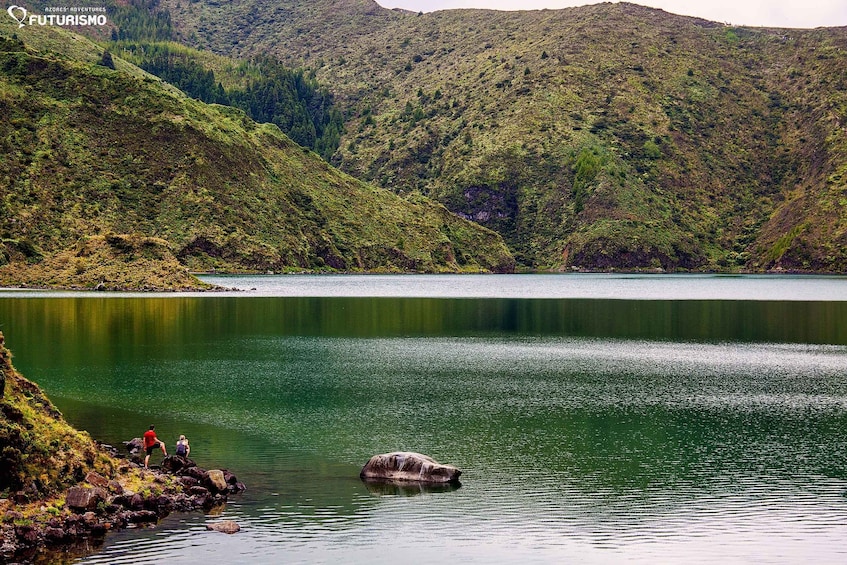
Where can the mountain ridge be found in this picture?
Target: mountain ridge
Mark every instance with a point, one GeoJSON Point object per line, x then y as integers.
{"type": "Point", "coordinates": [605, 136]}
{"type": "Point", "coordinates": [94, 151]}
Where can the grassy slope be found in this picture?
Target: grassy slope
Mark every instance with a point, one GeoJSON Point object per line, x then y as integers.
{"type": "Point", "coordinates": [106, 262]}
{"type": "Point", "coordinates": [607, 135]}
{"type": "Point", "coordinates": [91, 151]}
{"type": "Point", "coordinates": [41, 454]}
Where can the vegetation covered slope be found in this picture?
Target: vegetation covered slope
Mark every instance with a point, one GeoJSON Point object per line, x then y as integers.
{"type": "Point", "coordinates": [40, 454]}
{"type": "Point", "coordinates": [603, 136]}
{"type": "Point", "coordinates": [103, 262]}
{"type": "Point", "coordinates": [88, 150]}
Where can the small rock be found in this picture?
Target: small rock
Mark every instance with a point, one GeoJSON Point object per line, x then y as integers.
{"type": "Point", "coordinates": [229, 477]}
{"type": "Point", "coordinates": [198, 491]}
{"type": "Point", "coordinates": [142, 516]}
{"type": "Point", "coordinates": [226, 527]}
{"type": "Point", "coordinates": [97, 480]}
{"type": "Point", "coordinates": [90, 518]}
{"type": "Point", "coordinates": [54, 535]}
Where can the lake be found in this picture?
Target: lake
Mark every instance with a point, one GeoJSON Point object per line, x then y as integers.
{"type": "Point", "coordinates": [597, 418]}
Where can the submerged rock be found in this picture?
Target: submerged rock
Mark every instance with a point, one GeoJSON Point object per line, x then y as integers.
{"type": "Point", "coordinates": [408, 466]}
{"type": "Point", "coordinates": [227, 527]}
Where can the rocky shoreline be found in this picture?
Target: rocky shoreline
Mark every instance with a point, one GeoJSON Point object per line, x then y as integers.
{"type": "Point", "coordinates": [135, 497]}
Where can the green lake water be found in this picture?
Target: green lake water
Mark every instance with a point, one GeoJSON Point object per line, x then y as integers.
{"type": "Point", "coordinates": [597, 419]}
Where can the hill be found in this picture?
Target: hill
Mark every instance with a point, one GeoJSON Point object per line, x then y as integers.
{"type": "Point", "coordinates": [93, 151]}
{"type": "Point", "coordinates": [606, 136]}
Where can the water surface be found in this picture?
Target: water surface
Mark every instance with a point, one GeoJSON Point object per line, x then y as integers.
{"type": "Point", "coordinates": [691, 427]}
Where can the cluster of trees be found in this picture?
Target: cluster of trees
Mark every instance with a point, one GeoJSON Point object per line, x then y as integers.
{"type": "Point", "coordinates": [294, 101]}
{"type": "Point", "coordinates": [291, 99]}
{"type": "Point", "coordinates": [140, 20]}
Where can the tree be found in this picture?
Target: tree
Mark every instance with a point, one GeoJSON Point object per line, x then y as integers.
{"type": "Point", "coordinates": [106, 60]}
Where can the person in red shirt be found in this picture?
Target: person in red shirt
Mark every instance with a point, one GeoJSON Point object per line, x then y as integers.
{"type": "Point", "coordinates": [151, 442]}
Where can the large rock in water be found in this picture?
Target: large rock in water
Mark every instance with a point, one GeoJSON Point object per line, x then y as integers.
{"type": "Point", "coordinates": [408, 466]}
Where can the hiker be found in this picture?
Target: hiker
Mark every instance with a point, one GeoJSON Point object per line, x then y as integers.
{"type": "Point", "coordinates": [182, 447]}
{"type": "Point", "coordinates": [150, 443]}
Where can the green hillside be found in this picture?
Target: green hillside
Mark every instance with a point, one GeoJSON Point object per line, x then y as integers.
{"type": "Point", "coordinates": [92, 151]}
{"type": "Point", "coordinates": [606, 136]}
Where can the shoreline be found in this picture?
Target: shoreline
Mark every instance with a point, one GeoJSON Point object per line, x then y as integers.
{"type": "Point", "coordinates": [76, 521]}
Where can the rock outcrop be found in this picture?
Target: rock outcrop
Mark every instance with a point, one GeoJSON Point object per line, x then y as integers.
{"type": "Point", "coordinates": [407, 466]}
{"type": "Point", "coordinates": [98, 505]}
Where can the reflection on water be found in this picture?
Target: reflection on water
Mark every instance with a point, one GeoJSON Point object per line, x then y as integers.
{"type": "Point", "coordinates": [584, 431]}
{"type": "Point", "coordinates": [400, 488]}
{"type": "Point", "coordinates": [121, 327]}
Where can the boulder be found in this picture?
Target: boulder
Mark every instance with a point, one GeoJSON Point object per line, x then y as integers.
{"type": "Point", "coordinates": [194, 472]}
{"type": "Point", "coordinates": [97, 480]}
{"type": "Point", "coordinates": [54, 535]}
{"type": "Point", "coordinates": [176, 463]}
{"type": "Point", "coordinates": [198, 491]}
{"type": "Point", "coordinates": [215, 481]}
{"type": "Point", "coordinates": [136, 502]}
{"type": "Point", "coordinates": [226, 526]}
{"type": "Point", "coordinates": [83, 499]}
{"type": "Point", "coordinates": [164, 505]}
{"type": "Point", "coordinates": [134, 446]}
{"type": "Point", "coordinates": [188, 482]}
{"type": "Point", "coordinates": [407, 466]}
{"type": "Point", "coordinates": [27, 533]}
